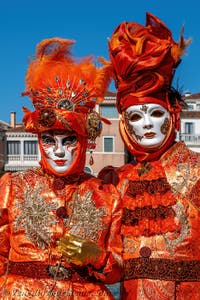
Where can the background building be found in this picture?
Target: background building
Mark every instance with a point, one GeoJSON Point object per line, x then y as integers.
{"type": "Point", "coordinates": [3, 129]}
{"type": "Point", "coordinates": [190, 122]}
{"type": "Point", "coordinates": [22, 150]}
{"type": "Point", "coordinates": [21, 147]}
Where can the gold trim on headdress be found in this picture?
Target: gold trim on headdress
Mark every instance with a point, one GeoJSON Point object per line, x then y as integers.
{"type": "Point", "coordinates": [64, 90]}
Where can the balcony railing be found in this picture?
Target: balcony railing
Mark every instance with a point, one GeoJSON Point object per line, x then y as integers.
{"type": "Point", "coordinates": [21, 162]}
{"type": "Point", "coordinates": [22, 158]}
{"type": "Point", "coordinates": [190, 139]}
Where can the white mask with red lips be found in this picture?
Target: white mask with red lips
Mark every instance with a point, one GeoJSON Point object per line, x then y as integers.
{"type": "Point", "coordinates": [147, 124]}
{"type": "Point", "coordinates": [59, 148]}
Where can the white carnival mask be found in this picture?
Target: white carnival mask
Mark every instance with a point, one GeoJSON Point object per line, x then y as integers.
{"type": "Point", "coordinates": [148, 124]}
{"type": "Point", "coordinates": [59, 148]}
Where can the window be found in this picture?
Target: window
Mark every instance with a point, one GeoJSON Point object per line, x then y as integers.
{"type": "Point", "coordinates": [13, 147]}
{"type": "Point", "coordinates": [189, 128]}
{"type": "Point", "coordinates": [30, 147]}
{"type": "Point", "coordinates": [109, 111]}
{"type": "Point", "coordinates": [190, 107]}
{"type": "Point", "coordinates": [108, 144]}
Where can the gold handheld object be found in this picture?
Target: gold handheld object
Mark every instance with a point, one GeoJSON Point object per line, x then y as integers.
{"type": "Point", "coordinates": [77, 250]}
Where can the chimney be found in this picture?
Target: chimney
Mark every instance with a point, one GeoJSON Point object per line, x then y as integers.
{"type": "Point", "coordinates": [13, 119]}
{"type": "Point", "coordinates": [187, 94]}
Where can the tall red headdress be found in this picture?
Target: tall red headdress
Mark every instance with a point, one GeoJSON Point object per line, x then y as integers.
{"type": "Point", "coordinates": [144, 59]}
{"type": "Point", "coordinates": [64, 92]}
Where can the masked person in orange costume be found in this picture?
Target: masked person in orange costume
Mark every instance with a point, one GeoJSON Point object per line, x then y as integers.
{"type": "Point", "coordinates": [59, 236]}
{"type": "Point", "coordinates": [160, 186]}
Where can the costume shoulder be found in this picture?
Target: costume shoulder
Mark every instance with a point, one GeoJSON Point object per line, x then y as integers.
{"type": "Point", "coordinates": [112, 175]}
{"type": "Point", "coordinates": [109, 175]}
{"type": "Point", "coordinates": [19, 178]}
{"type": "Point", "coordinates": [194, 184]}
{"type": "Point", "coordinates": [4, 179]}
{"type": "Point", "coordinates": [182, 168]}
{"type": "Point", "coordinates": [5, 184]}
{"type": "Point", "coordinates": [99, 185]}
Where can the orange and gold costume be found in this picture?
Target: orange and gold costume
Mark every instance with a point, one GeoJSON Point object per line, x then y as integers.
{"type": "Point", "coordinates": [36, 210]}
{"type": "Point", "coordinates": [40, 207]}
{"type": "Point", "coordinates": [160, 188]}
{"type": "Point", "coordinates": [160, 226]}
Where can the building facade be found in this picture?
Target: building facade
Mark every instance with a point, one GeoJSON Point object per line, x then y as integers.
{"type": "Point", "coordinates": [22, 150]}
{"type": "Point", "coordinates": [4, 127]}
{"type": "Point", "coordinates": [190, 122]}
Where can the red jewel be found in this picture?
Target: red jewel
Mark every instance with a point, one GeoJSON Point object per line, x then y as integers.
{"type": "Point", "coordinates": [145, 252]}
{"type": "Point", "coordinates": [59, 183]}
{"type": "Point", "coordinates": [91, 161]}
{"type": "Point", "coordinates": [61, 212]}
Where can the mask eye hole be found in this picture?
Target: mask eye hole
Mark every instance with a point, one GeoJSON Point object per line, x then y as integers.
{"type": "Point", "coordinates": [69, 140]}
{"type": "Point", "coordinates": [134, 117]}
{"type": "Point", "coordinates": [157, 113]}
{"type": "Point", "coordinates": [46, 139]}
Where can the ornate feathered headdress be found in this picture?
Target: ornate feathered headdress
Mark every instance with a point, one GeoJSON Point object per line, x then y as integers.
{"type": "Point", "coordinates": [64, 91]}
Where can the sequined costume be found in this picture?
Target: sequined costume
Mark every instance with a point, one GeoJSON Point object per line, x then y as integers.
{"type": "Point", "coordinates": [160, 186]}
{"type": "Point", "coordinates": [42, 206]}
{"type": "Point", "coordinates": [36, 210]}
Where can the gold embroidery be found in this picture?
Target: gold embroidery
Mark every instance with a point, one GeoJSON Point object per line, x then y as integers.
{"type": "Point", "coordinates": [35, 217]}
{"type": "Point", "coordinates": [127, 118]}
{"type": "Point", "coordinates": [129, 245]}
{"type": "Point", "coordinates": [144, 108]}
{"type": "Point", "coordinates": [86, 220]}
{"type": "Point", "coordinates": [183, 179]}
{"type": "Point", "coordinates": [185, 230]}
{"type": "Point", "coordinates": [145, 168]}
{"type": "Point", "coordinates": [165, 126]}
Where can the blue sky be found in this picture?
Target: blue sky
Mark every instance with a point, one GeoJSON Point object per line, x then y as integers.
{"type": "Point", "coordinates": [24, 23]}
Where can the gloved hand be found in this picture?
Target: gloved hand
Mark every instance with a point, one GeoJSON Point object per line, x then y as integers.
{"type": "Point", "coordinates": [78, 251]}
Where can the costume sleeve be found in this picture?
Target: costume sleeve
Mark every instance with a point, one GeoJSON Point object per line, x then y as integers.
{"type": "Point", "coordinates": [111, 258]}
{"type": "Point", "coordinates": [4, 223]}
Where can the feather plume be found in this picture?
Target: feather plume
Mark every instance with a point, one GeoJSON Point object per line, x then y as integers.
{"type": "Point", "coordinates": [55, 75]}
{"type": "Point", "coordinates": [103, 78]}
{"type": "Point", "coordinates": [179, 49]}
